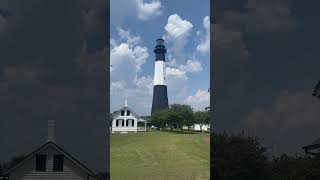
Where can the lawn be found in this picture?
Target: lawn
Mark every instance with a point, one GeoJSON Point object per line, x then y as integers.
{"type": "Point", "coordinates": [158, 155]}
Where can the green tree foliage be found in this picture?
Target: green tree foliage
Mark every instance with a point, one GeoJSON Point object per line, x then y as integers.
{"type": "Point", "coordinates": [239, 157]}
{"type": "Point", "coordinates": [176, 114]}
{"type": "Point", "coordinates": [298, 167]}
{"type": "Point", "coordinates": [183, 115]}
{"type": "Point", "coordinates": [160, 118]}
{"type": "Point", "coordinates": [10, 164]}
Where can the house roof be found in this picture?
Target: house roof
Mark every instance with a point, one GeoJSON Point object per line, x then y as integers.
{"type": "Point", "coordinates": [316, 90]}
{"type": "Point", "coordinates": [314, 145]}
{"type": "Point", "coordinates": [54, 145]}
{"type": "Point", "coordinates": [125, 108]}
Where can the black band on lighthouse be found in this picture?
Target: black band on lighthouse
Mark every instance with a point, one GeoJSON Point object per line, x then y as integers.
{"type": "Point", "coordinates": [160, 52]}
{"type": "Point", "coordinates": [160, 98]}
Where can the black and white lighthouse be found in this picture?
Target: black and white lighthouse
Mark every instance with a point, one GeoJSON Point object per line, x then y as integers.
{"type": "Point", "coordinates": [160, 95]}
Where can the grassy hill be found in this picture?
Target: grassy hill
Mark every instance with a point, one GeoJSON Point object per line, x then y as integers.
{"type": "Point", "coordinates": [160, 155]}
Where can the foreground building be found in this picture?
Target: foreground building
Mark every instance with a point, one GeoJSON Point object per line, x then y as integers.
{"type": "Point", "coordinates": [49, 162]}
{"type": "Point", "coordinates": [126, 120]}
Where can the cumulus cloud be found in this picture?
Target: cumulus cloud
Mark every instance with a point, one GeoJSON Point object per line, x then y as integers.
{"type": "Point", "coordinates": [192, 66]}
{"type": "Point", "coordinates": [290, 112]}
{"type": "Point", "coordinates": [126, 35]}
{"type": "Point", "coordinates": [270, 16]}
{"type": "Point", "coordinates": [229, 37]}
{"type": "Point", "coordinates": [128, 53]}
{"type": "Point", "coordinates": [135, 9]}
{"type": "Point", "coordinates": [146, 11]}
{"type": "Point", "coordinates": [204, 45]}
{"type": "Point", "coordinates": [127, 59]}
{"type": "Point", "coordinates": [178, 31]}
{"type": "Point", "coordinates": [176, 73]}
{"type": "Point", "coordinates": [177, 27]}
{"type": "Point", "coordinates": [199, 100]}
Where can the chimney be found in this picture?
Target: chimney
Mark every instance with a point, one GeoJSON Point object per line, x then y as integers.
{"type": "Point", "coordinates": [125, 103]}
{"type": "Point", "coordinates": [51, 131]}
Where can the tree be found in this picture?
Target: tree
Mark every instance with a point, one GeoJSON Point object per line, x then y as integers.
{"type": "Point", "coordinates": [160, 118]}
{"type": "Point", "coordinates": [183, 115]}
{"type": "Point", "coordinates": [201, 118]}
{"type": "Point", "coordinates": [176, 114]}
{"type": "Point", "coordinates": [11, 163]}
{"type": "Point", "coordinates": [238, 157]}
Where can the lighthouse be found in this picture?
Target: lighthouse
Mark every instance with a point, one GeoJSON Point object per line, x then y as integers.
{"type": "Point", "coordinates": [160, 95]}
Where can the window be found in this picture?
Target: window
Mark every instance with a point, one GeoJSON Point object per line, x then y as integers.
{"type": "Point", "coordinates": [122, 113]}
{"type": "Point", "coordinates": [119, 122]}
{"type": "Point", "coordinates": [128, 113]}
{"type": "Point", "coordinates": [58, 162]}
{"type": "Point", "coordinates": [130, 122]}
{"type": "Point", "coordinates": [41, 160]}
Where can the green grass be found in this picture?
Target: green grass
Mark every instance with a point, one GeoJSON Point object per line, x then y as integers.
{"type": "Point", "coordinates": [160, 155]}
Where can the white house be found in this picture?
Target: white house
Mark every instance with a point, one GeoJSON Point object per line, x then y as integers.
{"type": "Point", "coordinates": [126, 120]}
{"type": "Point", "coordinates": [205, 127]}
{"type": "Point", "coordinates": [49, 162]}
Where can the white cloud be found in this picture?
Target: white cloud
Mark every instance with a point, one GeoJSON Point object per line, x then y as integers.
{"type": "Point", "coordinates": [117, 85]}
{"type": "Point", "coordinates": [122, 10]}
{"type": "Point", "coordinates": [146, 11]}
{"type": "Point", "coordinates": [192, 66]}
{"type": "Point", "coordinates": [177, 27]}
{"type": "Point", "coordinates": [289, 113]}
{"type": "Point", "coordinates": [144, 82]}
{"type": "Point", "coordinates": [176, 73]}
{"type": "Point", "coordinates": [128, 52]}
{"type": "Point", "coordinates": [199, 100]}
{"type": "Point", "coordinates": [126, 35]}
{"type": "Point", "coordinates": [141, 55]}
{"type": "Point", "coordinates": [204, 45]}
{"type": "Point", "coordinates": [178, 31]}
{"type": "Point", "coordinates": [127, 59]}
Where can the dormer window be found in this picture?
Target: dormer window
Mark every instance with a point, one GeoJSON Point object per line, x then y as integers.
{"type": "Point", "coordinates": [122, 113]}
{"type": "Point", "coordinates": [41, 161]}
{"type": "Point", "coordinates": [58, 162]}
{"type": "Point", "coordinates": [128, 113]}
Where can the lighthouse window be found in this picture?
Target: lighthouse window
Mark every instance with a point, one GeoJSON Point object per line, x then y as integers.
{"type": "Point", "coordinates": [128, 113]}
{"type": "Point", "coordinates": [122, 113]}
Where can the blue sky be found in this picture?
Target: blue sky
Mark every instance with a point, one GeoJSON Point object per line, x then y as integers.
{"type": "Point", "coordinates": [135, 25]}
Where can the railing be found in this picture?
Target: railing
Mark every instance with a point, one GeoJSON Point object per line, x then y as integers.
{"type": "Point", "coordinates": [141, 128]}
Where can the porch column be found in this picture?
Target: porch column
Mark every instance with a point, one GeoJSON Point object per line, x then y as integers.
{"type": "Point", "coordinates": [145, 125]}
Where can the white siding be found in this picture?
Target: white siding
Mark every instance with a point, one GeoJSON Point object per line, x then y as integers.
{"type": "Point", "coordinates": [124, 128]}
{"type": "Point", "coordinates": [197, 127]}
{"type": "Point", "coordinates": [27, 170]}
